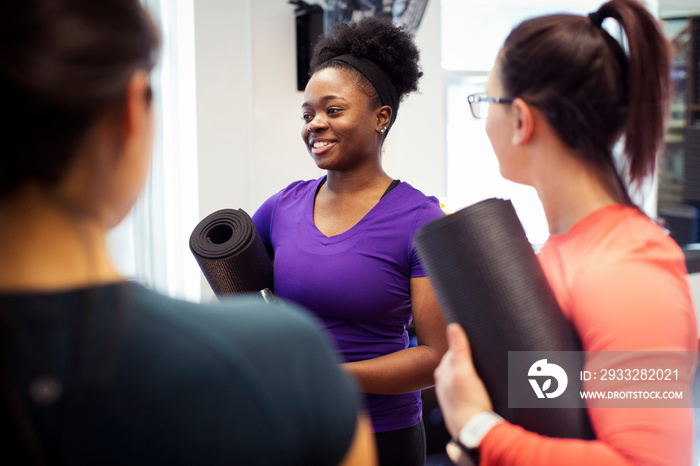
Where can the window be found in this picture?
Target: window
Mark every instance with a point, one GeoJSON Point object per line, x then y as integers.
{"type": "Point", "coordinates": [473, 33]}
{"type": "Point", "coordinates": [152, 244]}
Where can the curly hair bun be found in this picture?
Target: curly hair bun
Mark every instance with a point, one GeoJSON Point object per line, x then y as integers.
{"type": "Point", "coordinates": [391, 48]}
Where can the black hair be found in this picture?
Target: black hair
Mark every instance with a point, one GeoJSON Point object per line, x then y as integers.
{"type": "Point", "coordinates": [62, 63]}
{"type": "Point", "coordinates": [591, 89]}
{"type": "Point", "coordinates": [391, 48]}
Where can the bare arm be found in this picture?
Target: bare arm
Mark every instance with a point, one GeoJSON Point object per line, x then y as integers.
{"type": "Point", "coordinates": [410, 369]}
{"type": "Point", "coordinates": [362, 451]}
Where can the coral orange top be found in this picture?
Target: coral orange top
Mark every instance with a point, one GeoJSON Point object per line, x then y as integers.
{"type": "Point", "coordinates": [621, 281]}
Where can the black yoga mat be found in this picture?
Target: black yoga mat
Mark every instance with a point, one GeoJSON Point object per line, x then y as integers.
{"type": "Point", "coordinates": [231, 254]}
{"type": "Point", "coordinates": [487, 278]}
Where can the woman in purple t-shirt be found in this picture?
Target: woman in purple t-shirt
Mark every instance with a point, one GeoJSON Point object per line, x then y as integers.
{"type": "Point", "coordinates": [342, 244]}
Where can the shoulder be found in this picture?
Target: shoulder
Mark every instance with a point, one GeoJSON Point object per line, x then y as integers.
{"type": "Point", "coordinates": [237, 321]}
{"type": "Point", "coordinates": [258, 368]}
{"type": "Point", "coordinates": [631, 290]}
{"type": "Point", "coordinates": [429, 209]}
{"type": "Point", "coordinates": [243, 339]}
{"type": "Point", "coordinates": [294, 191]}
{"type": "Point", "coordinates": [611, 238]}
{"type": "Point", "coordinates": [426, 208]}
{"type": "Point", "coordinates": [408, 191]}
{"type": "Point", "coordinates": [295, 194]}
{"type": "Point", "coordinates": [627, 237]}
{"type": "Point", "coordinates": [300, 188]}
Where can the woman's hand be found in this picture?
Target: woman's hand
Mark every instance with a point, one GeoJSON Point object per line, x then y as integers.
{"type": "Point", "coordinates": [460, 391]}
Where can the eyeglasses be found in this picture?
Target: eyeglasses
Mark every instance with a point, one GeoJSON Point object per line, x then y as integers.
{"type": "Point", "coordinates": [479, 104]}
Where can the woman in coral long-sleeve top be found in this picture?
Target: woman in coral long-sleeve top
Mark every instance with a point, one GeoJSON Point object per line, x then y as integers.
{"type": "Point", "coordinates": [563, 92]}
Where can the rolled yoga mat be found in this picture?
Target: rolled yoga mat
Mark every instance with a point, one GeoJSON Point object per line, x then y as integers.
{"type": "Point", "coordinates": [231, 254]}
{"type": "Point", "coordinates": [488, 279]}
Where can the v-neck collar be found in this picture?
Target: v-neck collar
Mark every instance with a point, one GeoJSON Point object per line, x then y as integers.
{"type": "Point", "coordinates": [350, 232]}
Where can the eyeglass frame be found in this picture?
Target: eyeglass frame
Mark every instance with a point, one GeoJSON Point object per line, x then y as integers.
{"type": "Point", "coordinates": [476, 98]}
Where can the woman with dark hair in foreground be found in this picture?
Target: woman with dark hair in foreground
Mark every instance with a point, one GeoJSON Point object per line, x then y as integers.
{"type": "Point", "coordinates": [98, 370]}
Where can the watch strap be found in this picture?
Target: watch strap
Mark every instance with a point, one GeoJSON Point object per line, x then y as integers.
{"type": "Point", "coordinates": [477, 427]}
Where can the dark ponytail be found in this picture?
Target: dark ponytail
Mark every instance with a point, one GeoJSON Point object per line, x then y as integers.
{"type": "Point", "coordinates": [62, 62]}
{"type": "Point", "coordinates": [648, 85]}
{"type": "Point", "coordinates": [592, 91]}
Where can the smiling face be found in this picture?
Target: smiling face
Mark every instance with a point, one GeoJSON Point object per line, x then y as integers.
{"type": "Point", "coordinates": [341, 123]}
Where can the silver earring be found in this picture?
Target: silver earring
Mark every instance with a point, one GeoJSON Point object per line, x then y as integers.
{"type": "Point", "coordinates": [382, 130]}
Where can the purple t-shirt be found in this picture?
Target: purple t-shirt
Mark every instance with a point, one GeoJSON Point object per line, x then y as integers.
{"type": "Point", "coordinates": [357, 282]}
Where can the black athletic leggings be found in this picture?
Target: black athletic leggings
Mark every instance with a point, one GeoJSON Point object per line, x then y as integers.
{"type": "Point", "coordinates": [403, 447]}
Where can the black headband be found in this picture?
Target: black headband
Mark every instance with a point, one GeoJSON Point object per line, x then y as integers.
{"type": "Point", "coordinates": [378, 78]}
{"type": "Point", "coordinates": [596, 18]}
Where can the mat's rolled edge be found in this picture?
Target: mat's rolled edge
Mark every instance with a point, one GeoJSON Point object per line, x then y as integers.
{"type": "Point", "coordinates": [226, 274]}
{"type": "Point", "coordinates": [202, 239]}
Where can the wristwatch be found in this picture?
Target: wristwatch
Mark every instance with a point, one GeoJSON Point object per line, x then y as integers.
{"type": "Point", "coordinates": [475, 430]}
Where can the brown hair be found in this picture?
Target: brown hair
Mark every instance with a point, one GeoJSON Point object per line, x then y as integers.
{"type": "Point", "coordinates": [593, 92]}
{"type": "Point", "coordinates": [62, 62]}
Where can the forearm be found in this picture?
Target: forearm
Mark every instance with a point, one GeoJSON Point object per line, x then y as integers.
{"type": "Point", "coordinates": [650, 443]}
{"type": "Point", "coordinates": [404, 371]}
{"type": "Point", "coordinates": [508, 445]}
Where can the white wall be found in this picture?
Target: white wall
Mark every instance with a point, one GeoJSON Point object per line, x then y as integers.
{"type": "Point", "coordinates": [417, 149]}
{"type": "Point", "coordinates": [249, 111]}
